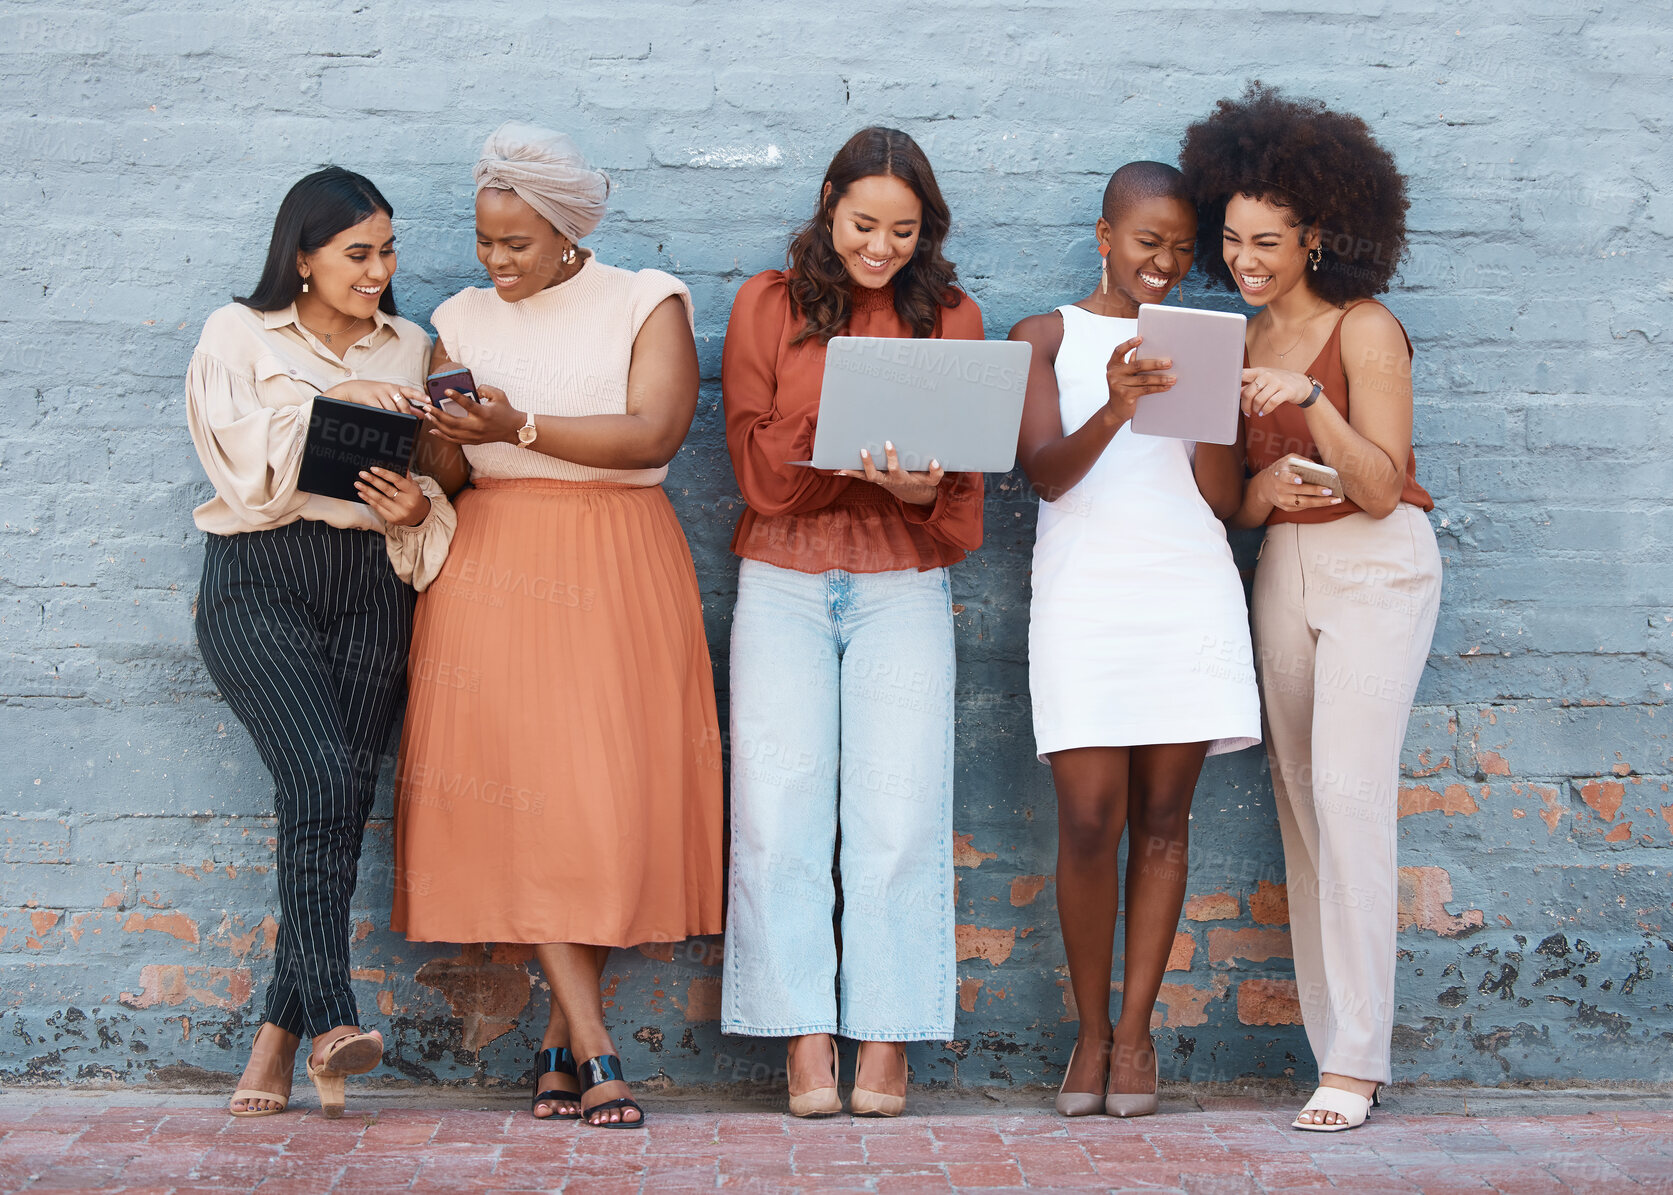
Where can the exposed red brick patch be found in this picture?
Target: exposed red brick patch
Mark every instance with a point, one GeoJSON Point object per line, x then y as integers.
{"type": "Point", "coordinates": [702, 998]}
{"type": "Point", "coordinates": [369, 974]}
{"type": "Point", "coordinates": [44, 919]}
{"type": "Point", "coordinates": [267, 930]}
{"type": "Point", "coordinates": [1667, 816]}
{"type": "Point", "coordinates": [967, 989]}
{"type": "Point", "coordinates": [984, 942]}
{"type": "Point", "coordinates": [1425, 768]}
{"type": "Point", "coordinates": [170, 983]}
{"type": "Point", "coordinates": [1213, 906]}
{"type": "Point", "coordinates": [1424, 895]}
{"type": "Point", "coordinates": [1554, 808]}
{"type": "Point", "coordinates": [1188, 1005]}
{"type": "Point", "coordinates": [1253, 945]}
{"type": "Point", "coordinates": [1620, 833]}
{"type": "Point", "coordinates": [386, 1002]}
{"type": "Point", "coordinates": [1603, 797]}
{"type": "Point", "coordinates": [1268, 1002]}
{"type": "Point", "coordinates": [965, 855]}
{"type": "Point", "coordinates": [1024, 890]}
{"type": "Point", "coordinates": [363, 929]}
{"type": "Point", "coordinates": [113, 900]}
{"type": "Point", "coordinates": [176, 925]}
{"type": "Point", "coordinates": [1269, 903]}
{"type": "Point", "coordinates": [1622, 769]}
{"type": "Point", "coordinates": [1184, 949]}
{"type": "Point", "coordinates": [1492, 763]}
{"type": "Point", "coordinates": [1420, 798]}
{"type": "Point", "coordinates": [487, 996]}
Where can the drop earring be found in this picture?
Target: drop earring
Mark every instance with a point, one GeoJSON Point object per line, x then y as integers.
{"type": "Point", "coordinates": [304, 286]}
{"type": "Point", "coordinates": [568, 256]}
{"type": "Point", "coordinates": [1104, 270]}
{"type": "Point", "coordinates": [1315, 255]}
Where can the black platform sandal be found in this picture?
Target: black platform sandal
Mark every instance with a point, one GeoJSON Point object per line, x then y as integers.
{"type": "Point", "coordinates": [556, 1059]}
{"type": "Point", "coordinates": [606, 1068]}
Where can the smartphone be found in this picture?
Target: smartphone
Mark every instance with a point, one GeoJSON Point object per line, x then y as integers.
{"type": "Point", "coordinates": [457, 379]}
{"type": "Point", "coordinates": [1312, 472]}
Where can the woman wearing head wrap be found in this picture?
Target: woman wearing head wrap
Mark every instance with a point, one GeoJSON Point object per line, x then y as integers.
{"type": "Point", "coordinates": [559, 783]}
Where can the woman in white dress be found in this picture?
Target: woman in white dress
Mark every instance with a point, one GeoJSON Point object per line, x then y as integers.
{"type": "Point", "coordinates": [1138, 652]}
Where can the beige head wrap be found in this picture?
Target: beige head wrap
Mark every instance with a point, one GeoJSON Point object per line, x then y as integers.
{"type": "Point", "coordinates": [548, 173]}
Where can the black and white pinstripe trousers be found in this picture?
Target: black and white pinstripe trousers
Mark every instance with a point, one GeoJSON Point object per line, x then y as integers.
{"type": "Point", "coordinates": [305, 630]}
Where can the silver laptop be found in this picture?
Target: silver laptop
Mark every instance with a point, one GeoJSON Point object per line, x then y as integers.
{"type": "Point", "coordinates": [1207, 352]}
{"type": "Point", "coordinates": [958, 402]}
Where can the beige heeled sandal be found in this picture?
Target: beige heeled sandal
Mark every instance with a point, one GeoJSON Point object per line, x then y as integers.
{"type": "Point", "coordinates": [352, 1055]}
{"type": "Point", "coordinates": [253, 1093]}
{"type": "Point", "coordinates": [863, 1101]}
{"type": "Point", "coordinates": [821, 1101]}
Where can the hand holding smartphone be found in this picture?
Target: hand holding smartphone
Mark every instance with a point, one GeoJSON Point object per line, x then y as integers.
{"type": "Point", "coordinates": [1314, 473]}
{"type": "Point", "coordinates": [457, 379]}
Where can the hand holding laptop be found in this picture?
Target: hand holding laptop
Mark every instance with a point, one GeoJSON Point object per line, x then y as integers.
{"type": "Point", "coordinates": [916, 488]}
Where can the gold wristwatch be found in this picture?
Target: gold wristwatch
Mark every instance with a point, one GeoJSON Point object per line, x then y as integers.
{"type": "Point", "coordinates": [527, 433]}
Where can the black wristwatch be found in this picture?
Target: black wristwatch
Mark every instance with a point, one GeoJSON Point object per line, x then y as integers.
{"type": "Point", "coordinates": [1318, 389]}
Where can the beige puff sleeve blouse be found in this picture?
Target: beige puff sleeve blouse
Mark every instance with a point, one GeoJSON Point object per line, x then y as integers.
{"type": "Point", "coordinates": [249, 396]}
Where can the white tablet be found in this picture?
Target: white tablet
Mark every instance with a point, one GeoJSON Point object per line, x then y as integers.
{"type": "Point", "coordinates": [1206, 348]}
{"type": "Point", "coordinates": [958, 402]}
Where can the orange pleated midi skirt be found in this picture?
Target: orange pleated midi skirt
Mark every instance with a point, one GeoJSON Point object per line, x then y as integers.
{"type": "Point", "coordinates": [560, 774]}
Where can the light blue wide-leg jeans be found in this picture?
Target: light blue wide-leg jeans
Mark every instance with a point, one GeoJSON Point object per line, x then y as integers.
{"type": "Point", "coordinates": [841, 718]}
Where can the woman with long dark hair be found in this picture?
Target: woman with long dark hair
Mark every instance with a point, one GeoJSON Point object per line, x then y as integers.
{"type": "Point", "coordinates": [1304, 214]}
{"type": "Point", "coordinates": [842, 651]}
{"type": "Point", "coordinates": [305, 609]}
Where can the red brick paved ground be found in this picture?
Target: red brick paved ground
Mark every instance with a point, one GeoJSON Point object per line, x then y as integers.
{"type": "Point", "coordinates": [394, 1142]}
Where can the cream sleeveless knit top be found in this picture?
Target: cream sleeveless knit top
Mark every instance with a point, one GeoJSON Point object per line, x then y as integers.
{"type": "Point", "coordinates": [564, 351]}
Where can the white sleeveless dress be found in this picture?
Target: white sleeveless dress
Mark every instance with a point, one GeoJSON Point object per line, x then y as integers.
{"type": "Point", "coordinates": [1138, 632]}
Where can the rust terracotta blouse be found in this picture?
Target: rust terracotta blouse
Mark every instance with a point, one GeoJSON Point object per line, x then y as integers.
{"type": "Point", "coordinates": [804, 519]}
{"type": "Point", "coordinates": [1284, 431]}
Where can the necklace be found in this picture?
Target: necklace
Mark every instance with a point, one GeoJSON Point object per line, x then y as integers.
{"type": "Point", "coordinates": [1305, 328]}
{"type": "Point", "coordinates": [326, 336]}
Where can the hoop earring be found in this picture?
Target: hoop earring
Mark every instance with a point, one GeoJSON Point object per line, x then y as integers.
{"type": "Point", "coordinates": [1315, 255]}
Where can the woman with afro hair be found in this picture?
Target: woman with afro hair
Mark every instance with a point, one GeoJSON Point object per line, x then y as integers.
{"type": "Point", "coordinates": [1304, 214]}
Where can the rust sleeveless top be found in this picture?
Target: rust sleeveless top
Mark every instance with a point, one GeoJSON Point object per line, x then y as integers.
{"type": "Point", "coordinates": [1284, 431]}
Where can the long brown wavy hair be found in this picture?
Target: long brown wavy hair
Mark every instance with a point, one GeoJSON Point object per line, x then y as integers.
{"type": "Point", "coordinates": [819, 283]}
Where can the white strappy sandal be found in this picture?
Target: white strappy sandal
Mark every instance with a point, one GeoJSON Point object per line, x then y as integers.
{"type": "Point", "coordinates": [1352, 1108]}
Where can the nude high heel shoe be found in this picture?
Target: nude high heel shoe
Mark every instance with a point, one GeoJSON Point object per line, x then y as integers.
{"type": "Point", "coordinates": [821, 1101]}
{"type": "Point", "coordinates": [1120, 1103]}
{"type": "Point", "coordinates": [862, 1101]}
{"type": "Point", "coordinates": [1077, 1103]}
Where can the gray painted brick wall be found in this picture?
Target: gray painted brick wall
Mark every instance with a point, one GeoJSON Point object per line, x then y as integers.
{"type": "Point", "coordinates": [148, 145]}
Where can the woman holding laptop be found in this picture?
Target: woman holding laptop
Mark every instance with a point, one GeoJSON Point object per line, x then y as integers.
{"type": "Point", "coordinates": [303, 616]}
{"type": "Point", "coordinates": [1138, 651]}
{"type": "Point", "coordinates": [1305, 215]}
{"type": "Point", "coordinates": [842, 651]}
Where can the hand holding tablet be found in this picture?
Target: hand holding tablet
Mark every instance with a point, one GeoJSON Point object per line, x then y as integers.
{"type": "Point", "coordinates": [1206, 349]}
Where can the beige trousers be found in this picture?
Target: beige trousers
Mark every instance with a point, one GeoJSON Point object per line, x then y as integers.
{"type": "Point", "coordinates": [1343, 615]}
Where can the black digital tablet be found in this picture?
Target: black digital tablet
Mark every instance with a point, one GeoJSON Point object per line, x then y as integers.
{"type": "Point", "coordinates": [346, 437]}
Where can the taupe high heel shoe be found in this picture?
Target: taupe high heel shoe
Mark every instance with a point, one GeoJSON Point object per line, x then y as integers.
{"type": "Point", "coordinates": [862, 1101]}
{"type": "Point", "coordinates": [821, 1101]}
{"type": "Point", "coordinates": [251, 1094]}
{"type": "Point", "coordinates": [1121, 1103]}
{"type": "Point", "coordinates": [1076, 1103]}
